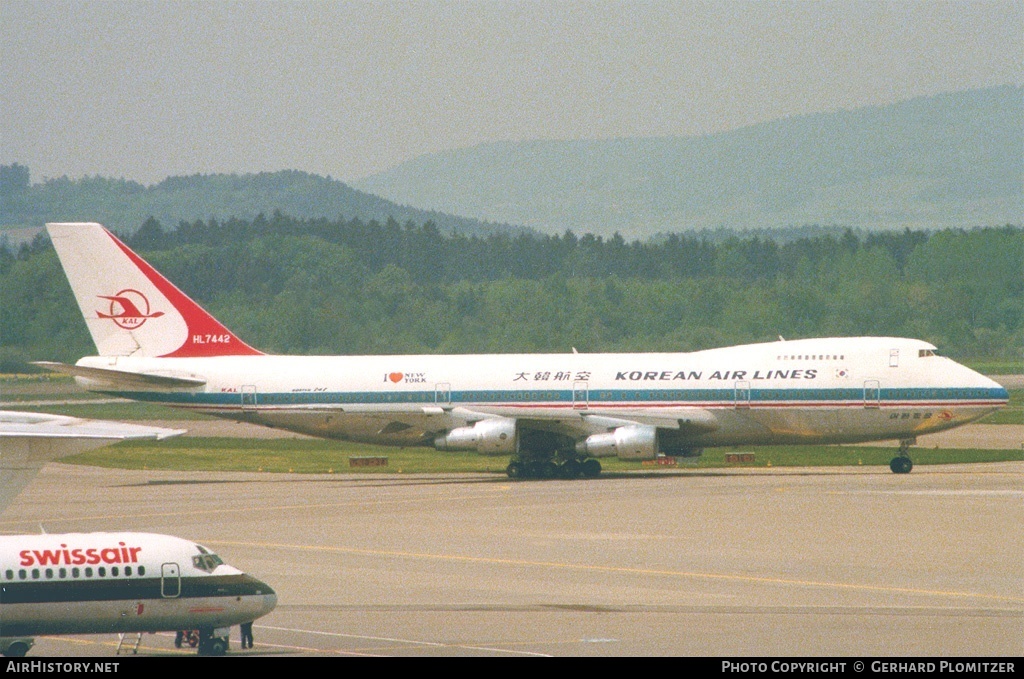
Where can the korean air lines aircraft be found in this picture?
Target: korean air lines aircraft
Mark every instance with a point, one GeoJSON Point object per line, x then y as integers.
{"type": "Point", "coordinates": [553, 414]}
{"type": "Point", "coordinates": [94, 583]}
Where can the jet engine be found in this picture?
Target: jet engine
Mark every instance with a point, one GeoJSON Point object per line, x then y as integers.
{"type": "Point", "coordinates": [634, 442]}
{"type": "Point", "coordinates": [493, 436]}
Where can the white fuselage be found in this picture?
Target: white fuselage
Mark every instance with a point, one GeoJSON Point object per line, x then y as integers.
{"type": "Point", "coordinates": [90, 583]}
{"type": "Point", "coordinates": [829, 390]}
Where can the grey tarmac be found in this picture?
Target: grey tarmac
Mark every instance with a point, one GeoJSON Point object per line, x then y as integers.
{"type": "Point", "coordinates": [735, 562]}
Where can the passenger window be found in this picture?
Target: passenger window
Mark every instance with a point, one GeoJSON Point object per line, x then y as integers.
{"type": "Point", "coordinates": [114, 571]}
{"type": "Point", "coordinates": [101, 571]}
{"type": "Point", "coordinates": [88, 572]}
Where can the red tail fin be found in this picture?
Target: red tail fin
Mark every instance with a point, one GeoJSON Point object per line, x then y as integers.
{"type": "Point", "coordinates": [129, 307]}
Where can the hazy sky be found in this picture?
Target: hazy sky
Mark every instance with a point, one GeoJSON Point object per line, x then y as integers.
{"type": "Point", "coordinates": [144, 90]}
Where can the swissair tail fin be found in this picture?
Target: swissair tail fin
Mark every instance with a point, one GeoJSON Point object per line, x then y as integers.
{"type": "Point", "coordinates": [131, 309]}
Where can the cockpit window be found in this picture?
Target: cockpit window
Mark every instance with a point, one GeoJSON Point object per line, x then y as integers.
{"type": "Point", "coordinates": [921, 353]}
{"type": "Point", "coordinates": [206, 561]}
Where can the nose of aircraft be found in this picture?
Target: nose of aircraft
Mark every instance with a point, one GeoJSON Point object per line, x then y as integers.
{"type": "Point", "coordinates": [258, 598]}
{"type": "Point", "coordinates": [996, 391]}
{"type": "Point", "coordinates": [268, 598]}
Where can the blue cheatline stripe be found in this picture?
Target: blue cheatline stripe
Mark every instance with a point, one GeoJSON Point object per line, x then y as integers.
{"type": "Point", "coordinates": [690, 397]}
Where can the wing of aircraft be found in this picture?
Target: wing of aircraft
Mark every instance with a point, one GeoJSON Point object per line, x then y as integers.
{"type": "Point", "coordinates": [552, 414]}
{"type": "Point", "coordinates": [30, 440]}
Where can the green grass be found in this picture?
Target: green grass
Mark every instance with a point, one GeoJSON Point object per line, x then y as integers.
{"type": "Point", "coordinates": [1011, 413]}
{"type": "Point", "coordinates": [322, 457]}
{"type": "Point", "coordinates": [996, 367]}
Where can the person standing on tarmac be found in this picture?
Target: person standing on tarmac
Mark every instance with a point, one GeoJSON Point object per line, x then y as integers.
{"type": "Point", "coordinates": [246, 628]}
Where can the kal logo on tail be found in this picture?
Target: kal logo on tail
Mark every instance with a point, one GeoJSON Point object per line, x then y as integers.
{"type": "Point", "coordinates": [129, 309]}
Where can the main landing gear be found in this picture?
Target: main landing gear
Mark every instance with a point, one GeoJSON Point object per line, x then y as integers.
{"type": "Point", "coordinates": [571, 468]}
{"type": "Point", "coordinates": [546, 455]}
{"type": "Point", "coordinates": [901, 464]}
{"type": "Point", "coordinates": [212, 645]}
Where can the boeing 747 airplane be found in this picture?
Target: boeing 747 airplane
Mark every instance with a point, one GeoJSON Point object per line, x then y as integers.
{"type": "Point", "coordinates": [552, 414]}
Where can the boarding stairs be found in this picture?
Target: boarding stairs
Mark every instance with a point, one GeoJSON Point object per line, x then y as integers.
{"type": "Point", "coordinates": [128, 644]}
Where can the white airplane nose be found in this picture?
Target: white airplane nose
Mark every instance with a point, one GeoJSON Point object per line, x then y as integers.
{"type": "Point", "coordinates": [268, 598]}
{"type": "Point", "coordinates": [996, 390]}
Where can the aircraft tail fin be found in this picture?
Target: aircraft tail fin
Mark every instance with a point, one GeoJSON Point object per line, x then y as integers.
{"type": "Point", "coordinates": [130, 309]}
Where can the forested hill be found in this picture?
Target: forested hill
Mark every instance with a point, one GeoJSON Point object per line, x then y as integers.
{"type": "Point", "coordinates": [932, 162]}
{"type": "Point", "coordinates": [349, 287]}
{"type": "Point", "coordinates": [124, 205]}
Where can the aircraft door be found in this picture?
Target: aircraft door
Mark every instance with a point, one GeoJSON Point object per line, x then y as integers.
{"type": "Point", "coordinates": [742, 395]}
{"type": "Point", "coordinates": [248, 397]}
{"type": "Point", "coordinates": [872, 394]}
{"type": "Point", "coordinates": [894, 358]}
{"type": "Point", "coordinates": [443, 393]}
{"type": "Point", "coordinates": [580, 395]}
{"type": "Point", "coordinates": [170, 580]}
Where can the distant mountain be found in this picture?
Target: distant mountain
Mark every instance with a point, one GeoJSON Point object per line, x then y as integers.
{"type": "Point", "coordinates": [954, 159]}
{"type": "Point", "coordinates": [124, 205]}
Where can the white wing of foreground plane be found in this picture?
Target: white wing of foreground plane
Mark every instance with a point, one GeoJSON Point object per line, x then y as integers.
{"type": "Point", "coordinates": [30, 440]}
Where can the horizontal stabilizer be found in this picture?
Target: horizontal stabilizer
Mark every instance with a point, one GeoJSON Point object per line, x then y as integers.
{"type": "Point", "coordinates": [123, 379]}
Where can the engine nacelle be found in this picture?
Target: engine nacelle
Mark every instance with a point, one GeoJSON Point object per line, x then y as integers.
{"type": "Point", "coordinates": [639, 442]}
{"type": "Point", "coordinates": [493, 436]}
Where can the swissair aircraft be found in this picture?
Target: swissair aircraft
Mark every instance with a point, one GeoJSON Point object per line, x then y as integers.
{"type": "Point", "coordinates": [553, 414]}
{"type": "Point", "coordinates": [94, 583]}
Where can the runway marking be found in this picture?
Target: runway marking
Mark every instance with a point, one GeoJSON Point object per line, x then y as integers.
{"type": "Point", "coordinates": [397, 640]}
{"type": "Point", "coordinates": [619, 569]}
{"type": "Point", "coordinates": [105, 640]}
{"type": "Point", "coordinates": [196, 512]}
{"type": "Point", "coordinates": [983, 493]}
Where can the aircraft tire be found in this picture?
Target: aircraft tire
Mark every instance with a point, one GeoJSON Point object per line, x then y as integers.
{"type": "Point", "coordinates": [590, 468]}
{"type": "Point", "coordinates": [514, 470]}
{"type": "Point", "coordinates": [215, 646]}
{"type": "Point", "coordinates": [16, 650]}
{"type": "Point", "coordinates": [571, 469]}
{"type": "Point", "coordinates": [901, 465]}
{"type": "Point", "coordinates": [211, 645]}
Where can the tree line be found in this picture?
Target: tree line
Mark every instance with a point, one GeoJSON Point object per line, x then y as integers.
{"type": "Point", "coordinates": [290, 285]}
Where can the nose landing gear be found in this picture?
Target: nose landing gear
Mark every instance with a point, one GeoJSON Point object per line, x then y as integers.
{"type": "Point", "coordinates": [901, 464]}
